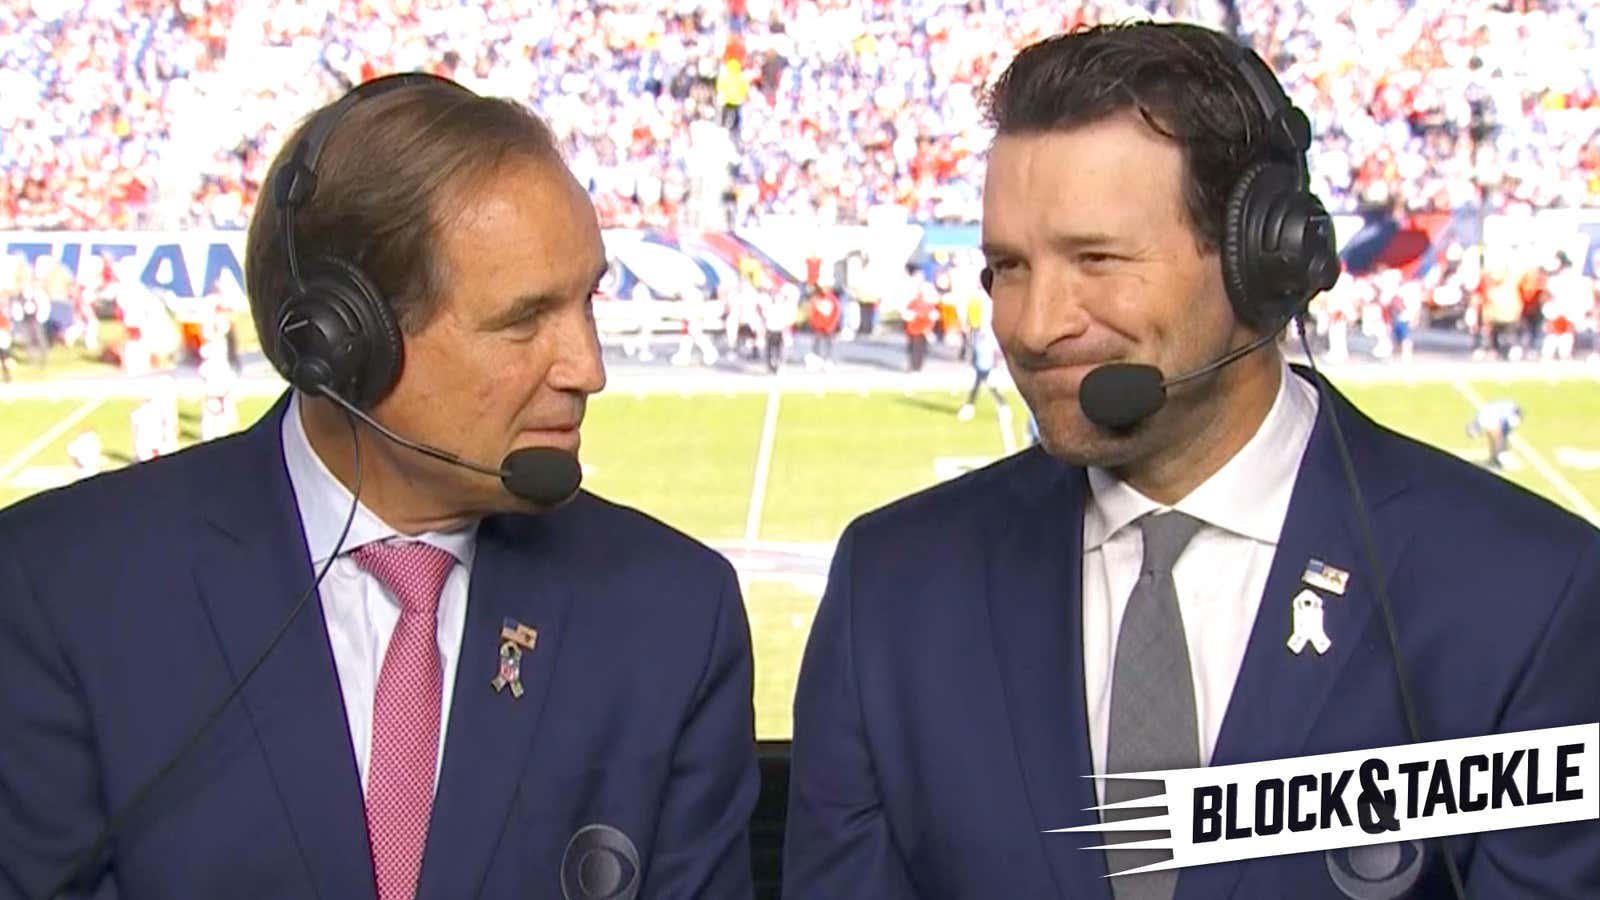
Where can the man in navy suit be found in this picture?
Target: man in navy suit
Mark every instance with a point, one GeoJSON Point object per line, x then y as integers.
{"type": "Point", "coordinates": [1122, 596]}
{"type": "Point", "coordinates": [497, 695]}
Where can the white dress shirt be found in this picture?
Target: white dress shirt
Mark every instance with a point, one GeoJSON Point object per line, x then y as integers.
{"type": "Point", "coordinates": [1219, 576]}
{"type": "Point", "coordinates": [359, 611]}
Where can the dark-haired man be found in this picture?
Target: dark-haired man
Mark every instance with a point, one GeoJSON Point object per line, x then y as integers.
{"type": "Point", "coordinates": [1118, 599]}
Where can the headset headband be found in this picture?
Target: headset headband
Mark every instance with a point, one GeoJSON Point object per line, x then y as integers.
{"type": "Point", "coordinates": [1288, 129]}
{"type": "Point", "coordinates": [296, 181]}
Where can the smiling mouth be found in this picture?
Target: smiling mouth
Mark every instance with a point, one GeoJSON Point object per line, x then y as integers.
{"type": "Point", "coordinates": [1074, 372]}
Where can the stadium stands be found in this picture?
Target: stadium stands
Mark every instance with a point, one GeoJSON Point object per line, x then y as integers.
{"type": "Point", "coordinates": [144, 114]}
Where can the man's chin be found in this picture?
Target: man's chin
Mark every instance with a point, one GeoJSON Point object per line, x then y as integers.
{"type": "Point", "coordinates": [1081, 443]}
{"type": "Point", "coordinates": [519, 505]}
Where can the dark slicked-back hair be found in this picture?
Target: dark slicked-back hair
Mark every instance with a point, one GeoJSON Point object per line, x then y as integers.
{"type": "Point", "coordinates": [1182, 79]}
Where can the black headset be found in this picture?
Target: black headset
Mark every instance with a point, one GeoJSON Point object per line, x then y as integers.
{"type": "Point", "coordinates": [1278, 251]}
{"type": "Point", "coordinates": [1278, 247]}
{"type": "Point", "coordinates": [335, 329]}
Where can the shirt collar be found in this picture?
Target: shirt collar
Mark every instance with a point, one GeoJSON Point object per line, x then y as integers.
{"type": "Point", "coordinates": [324, 504]}
{"type": "Point", "coordinates": [1248, 496]}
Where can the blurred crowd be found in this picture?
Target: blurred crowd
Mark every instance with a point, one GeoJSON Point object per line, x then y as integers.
{"type": "Point", "coordinates": [1540, 308]}
{"type": "Point", "coordinates": [1425, 105]}
{"type": "Point", "coordinates": [711, 113]}
{"type": "Point", "coordinates": [93, 97]}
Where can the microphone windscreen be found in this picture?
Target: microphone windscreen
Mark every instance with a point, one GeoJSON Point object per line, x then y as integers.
{"type": "Point", "coordinates": [544, 476]}
{"type": "Point", "coordinates": [1118, 396]}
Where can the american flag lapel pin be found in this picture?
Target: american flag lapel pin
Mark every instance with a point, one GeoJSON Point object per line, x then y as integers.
{"type": "Point", "coordinates": [1319, 574]}
{"type": "Point", "coordinates": [515, 639]}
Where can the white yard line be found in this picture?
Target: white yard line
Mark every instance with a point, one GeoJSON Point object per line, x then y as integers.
{"type": "Point", "coordinates": [1008, 433]}
{"type": "Point", "coordinates": [1536, 459]}
{"type": "Point", "coordinates": [26, 454]}
{"type": "Point", "coordinates": [758, 491]}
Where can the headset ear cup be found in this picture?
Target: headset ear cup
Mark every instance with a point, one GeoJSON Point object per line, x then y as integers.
{"type": "Point", "coordinates": [382, 350]}
{"type": "Point", "coordinates": [1278, 243]}
{"type": "Point", "coordinates": [1237, 247]}
{"type": "Point", "coordinates": [338, 333]}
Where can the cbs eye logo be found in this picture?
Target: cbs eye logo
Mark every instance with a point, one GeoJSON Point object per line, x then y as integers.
{"type": "Point", "coordinates": [1376, 872]}
{"type": "Point", "coordinates": [600, 864]}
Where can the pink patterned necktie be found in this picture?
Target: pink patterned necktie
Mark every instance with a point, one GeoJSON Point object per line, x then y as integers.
{"type": "Point", "coordinates": [405, 713]}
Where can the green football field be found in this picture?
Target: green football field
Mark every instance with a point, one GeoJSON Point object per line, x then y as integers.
{"type": "Point", "coordinates": [794, 468]}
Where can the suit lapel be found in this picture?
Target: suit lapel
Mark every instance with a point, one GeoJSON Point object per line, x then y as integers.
{"type": "Point", "coordinates": [489, 736]}
{"type": "Point", "coordinates": [1034, 592]}
{"type": "Point", "coordinates": [253, 567]}
{"type": "Point", "coordinates": [1279, 695]}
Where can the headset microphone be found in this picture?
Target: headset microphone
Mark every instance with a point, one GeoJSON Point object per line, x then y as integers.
{"type": "Point", "coordinates": [543, 476]}
{"type": "Point", "coordinates": [1118, 396]}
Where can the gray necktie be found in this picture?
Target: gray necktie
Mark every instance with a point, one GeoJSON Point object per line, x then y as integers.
{"type": "Point", "coordinates": [1152, 702]}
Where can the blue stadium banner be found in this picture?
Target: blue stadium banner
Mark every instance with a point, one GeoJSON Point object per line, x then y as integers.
{"type": "Point", "coordinates": [187, 264]}
{"type": "Point", "coordinates": [676, 264]}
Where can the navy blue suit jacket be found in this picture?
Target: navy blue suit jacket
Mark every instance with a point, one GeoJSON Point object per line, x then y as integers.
{"type": "Point", "coordinates": [940, 723]}
{"type": "Point", "coordinates": [129, 603]}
